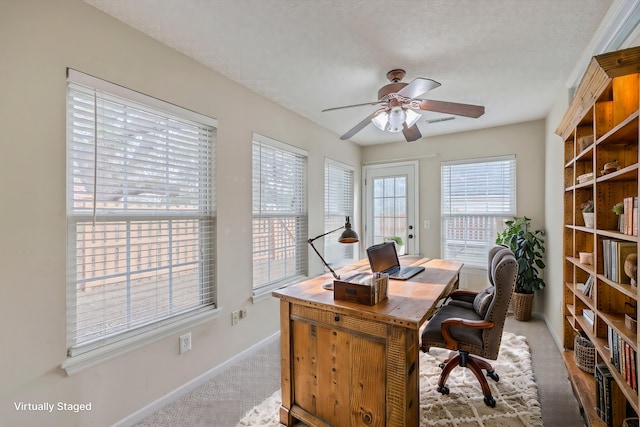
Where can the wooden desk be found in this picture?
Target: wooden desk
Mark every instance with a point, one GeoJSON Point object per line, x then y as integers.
{"type": "Point", "coordinates": [345, 364]}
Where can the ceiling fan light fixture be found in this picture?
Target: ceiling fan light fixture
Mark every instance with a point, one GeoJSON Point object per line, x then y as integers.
{"type": "Point", "coordinates": [380, 121]}
{"type": "Point", "coordinates": [397, 117]}
{"type": "Point", "coordinates": [412, 118]}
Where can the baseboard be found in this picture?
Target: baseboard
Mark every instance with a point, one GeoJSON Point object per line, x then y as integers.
{"type": "Point", "coordinates": [191, 385]}
{"type": "Point", "coordinates": [555, 338]}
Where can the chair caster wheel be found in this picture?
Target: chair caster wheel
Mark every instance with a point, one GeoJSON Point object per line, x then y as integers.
{"type": "Point", "coordinates": [492, 374]}
{"type": "Point", "coordinates": [490, 401]}
{"type": "Point", "coordinates": [445, 390]}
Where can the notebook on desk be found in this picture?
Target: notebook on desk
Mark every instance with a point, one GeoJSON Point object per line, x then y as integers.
{"type": "Point", "coordinates": [383, 258]}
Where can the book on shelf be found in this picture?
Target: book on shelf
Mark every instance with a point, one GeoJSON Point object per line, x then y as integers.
{"type": "Point", "coordinates": [603, 393]}
{"type": "Point", "coordinates": [634, 375]}
{"type": "Point", "coordinates": [629, 218]}
{"type": "Point", "coordinates": [589, 316]}
{"type": "Point", "coordinates": [634, 227]}
{"type": "Point", "coordinates": [606, 257]}
{"type": "Point", "coordinates": [615, 252]}
{"type": "Point", "coordinates": [627, 362]}
{"type": "Point", "coordinates": [586, 287]}
{"type": "Point", "coordinates": [623, 357]}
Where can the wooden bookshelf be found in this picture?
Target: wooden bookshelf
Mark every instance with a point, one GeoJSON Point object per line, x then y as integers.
{"type": "Point", "coordinates": [602, 125]}
{"type": "Point", "coordinates": [584, 387]}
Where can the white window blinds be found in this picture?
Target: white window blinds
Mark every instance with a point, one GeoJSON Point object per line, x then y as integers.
{"type": "Point", "coordinates": [279, 213]}
{"type": "Point", "coordinates": [338, 204]}
{"type": "Point", "coordinates": [477, 197]}
{"type": "Point", "coordinates": [140, 212]}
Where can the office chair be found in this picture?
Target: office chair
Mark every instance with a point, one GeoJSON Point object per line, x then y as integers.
{"type": "Point", "coordinates": [472, 323]}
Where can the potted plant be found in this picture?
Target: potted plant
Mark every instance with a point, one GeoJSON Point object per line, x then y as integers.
{"type": "Point", "coordinates": [587, 213]}
{"type": "Point", "coordinates": [528, 248]}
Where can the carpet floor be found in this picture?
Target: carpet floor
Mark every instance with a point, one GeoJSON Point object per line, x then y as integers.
{"type": "Point", "coordinates": [516, 393]}
{"type": "Point", "coordinates": [222, 401]}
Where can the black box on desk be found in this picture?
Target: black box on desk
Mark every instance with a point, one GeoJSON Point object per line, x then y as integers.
{"type": "Point", "coordinates": [367, 289]}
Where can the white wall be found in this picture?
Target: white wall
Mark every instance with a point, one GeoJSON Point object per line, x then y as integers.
{"type": "Point", "coordinates": [525, 140]}
{"type": "Point", "coordinates": [554, 218]}
{"type": "Point", "coordinates": [41, 39]}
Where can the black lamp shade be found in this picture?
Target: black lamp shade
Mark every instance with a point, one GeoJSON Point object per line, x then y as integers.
{"type": "Point", "coordinates": [348, 235]}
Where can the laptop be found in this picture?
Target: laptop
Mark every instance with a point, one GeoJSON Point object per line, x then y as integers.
{"type": "Point", "coordinates": [383, 258]}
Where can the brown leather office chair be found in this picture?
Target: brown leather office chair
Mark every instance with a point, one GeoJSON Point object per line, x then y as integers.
{"type": "Point", "coordinates": [472, 323]}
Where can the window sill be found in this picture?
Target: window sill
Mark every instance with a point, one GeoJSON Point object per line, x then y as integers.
{"type": "Point", "coordinates": [262, 296]}
{"type": "Point", "coordinates": [74, 364]}
{"type": "Point", "coordinates": [266, 292]}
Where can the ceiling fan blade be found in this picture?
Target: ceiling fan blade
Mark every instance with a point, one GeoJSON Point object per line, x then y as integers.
{"type": "Point", "coordinates": [418, 87]}
{"type": "Point", "coordinates": [411, 133]}
{"type": "Point", "coordinates": [466, 110]}
{"type": "Point", "coordinates": [357, 128]}
{"type": "Point", "coordinates": [354, 105]}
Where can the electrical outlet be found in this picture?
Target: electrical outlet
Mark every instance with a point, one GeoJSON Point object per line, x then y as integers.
{"type": "Point", "coordinates": [235, 317]}
{"type": "Point", "coordinates": [185, 342]}
{"type": "Point", "coordinates": [243, 313]}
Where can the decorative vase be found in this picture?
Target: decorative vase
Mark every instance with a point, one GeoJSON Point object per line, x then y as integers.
{"type": "Point", "coordinates": [588, 219]}
{"type": "Point", "coordinates": [521, 305]}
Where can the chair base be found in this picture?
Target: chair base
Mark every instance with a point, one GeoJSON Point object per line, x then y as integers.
{"type": "Point", "coordinates": [477, 365]}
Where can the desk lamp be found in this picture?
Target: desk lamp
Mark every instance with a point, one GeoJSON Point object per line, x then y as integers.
{"type": "Point", "coordinates": [347, 236]}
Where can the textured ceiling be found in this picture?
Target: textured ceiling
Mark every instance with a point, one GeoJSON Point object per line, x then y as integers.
{"type": "Point", "coordinates": [512, 56]}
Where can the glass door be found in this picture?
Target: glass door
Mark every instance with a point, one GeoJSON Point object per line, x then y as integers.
{"type": "Point", "coordinates": [390, 205]}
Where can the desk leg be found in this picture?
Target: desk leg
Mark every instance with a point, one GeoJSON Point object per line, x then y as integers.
{"type": "Point", "coordinates": [286, 418]}
{"type": "Point", "coordinates": [285, 365]}
{"type": "Point", "coordinates": [413, 378]}
{"type": "Point", "coordinates": [403, 391]}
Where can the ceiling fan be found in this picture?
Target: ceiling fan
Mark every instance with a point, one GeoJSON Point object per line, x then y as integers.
{"type": "Point", "coordinates": [398, 100]}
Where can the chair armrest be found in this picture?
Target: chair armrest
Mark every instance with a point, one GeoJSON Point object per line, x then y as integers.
{"type": "Point", "coordinates": [462, 292]}
{"type": "Point", "coordinates": [450, 341]}
{"type": "Point", "coordinates": [462, 295]}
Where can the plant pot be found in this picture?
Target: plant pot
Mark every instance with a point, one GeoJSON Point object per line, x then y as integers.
{"type": "Point", "coordinates": [521, 305]}
{"type": "Point", "coordinates": [588, 219]}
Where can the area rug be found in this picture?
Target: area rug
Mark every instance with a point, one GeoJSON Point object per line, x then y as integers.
{"type": "Point", "coordinates": [516, 393]}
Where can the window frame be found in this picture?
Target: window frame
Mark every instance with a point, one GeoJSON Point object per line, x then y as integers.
{"type": "Point", "coordinates": [81, 355]}
{"type": "Point", "coordinates": [335, 220]}
{"type": "Point", "coordinates": [490, 218]}
{"type": "Point", "coordinates": [301, 213]}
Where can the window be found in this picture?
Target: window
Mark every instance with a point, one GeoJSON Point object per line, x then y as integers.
{"type": "Point", "coordinates": [338, 204]}
{"type": "Point", "coordinates": [279, 213]}
{"type": "Point", "coordinates": [140, 213]}
{"type": "Point", "coordinates": [477, 197]}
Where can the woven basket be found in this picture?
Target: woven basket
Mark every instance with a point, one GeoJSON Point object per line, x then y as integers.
{"type": "Point", "coordinates": [584, 353]}
{"type": "Point", "coordinates": [521, 304]}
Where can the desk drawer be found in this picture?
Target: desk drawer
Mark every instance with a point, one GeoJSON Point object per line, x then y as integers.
{"type": "Point", "coordinates": [331, 319]}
